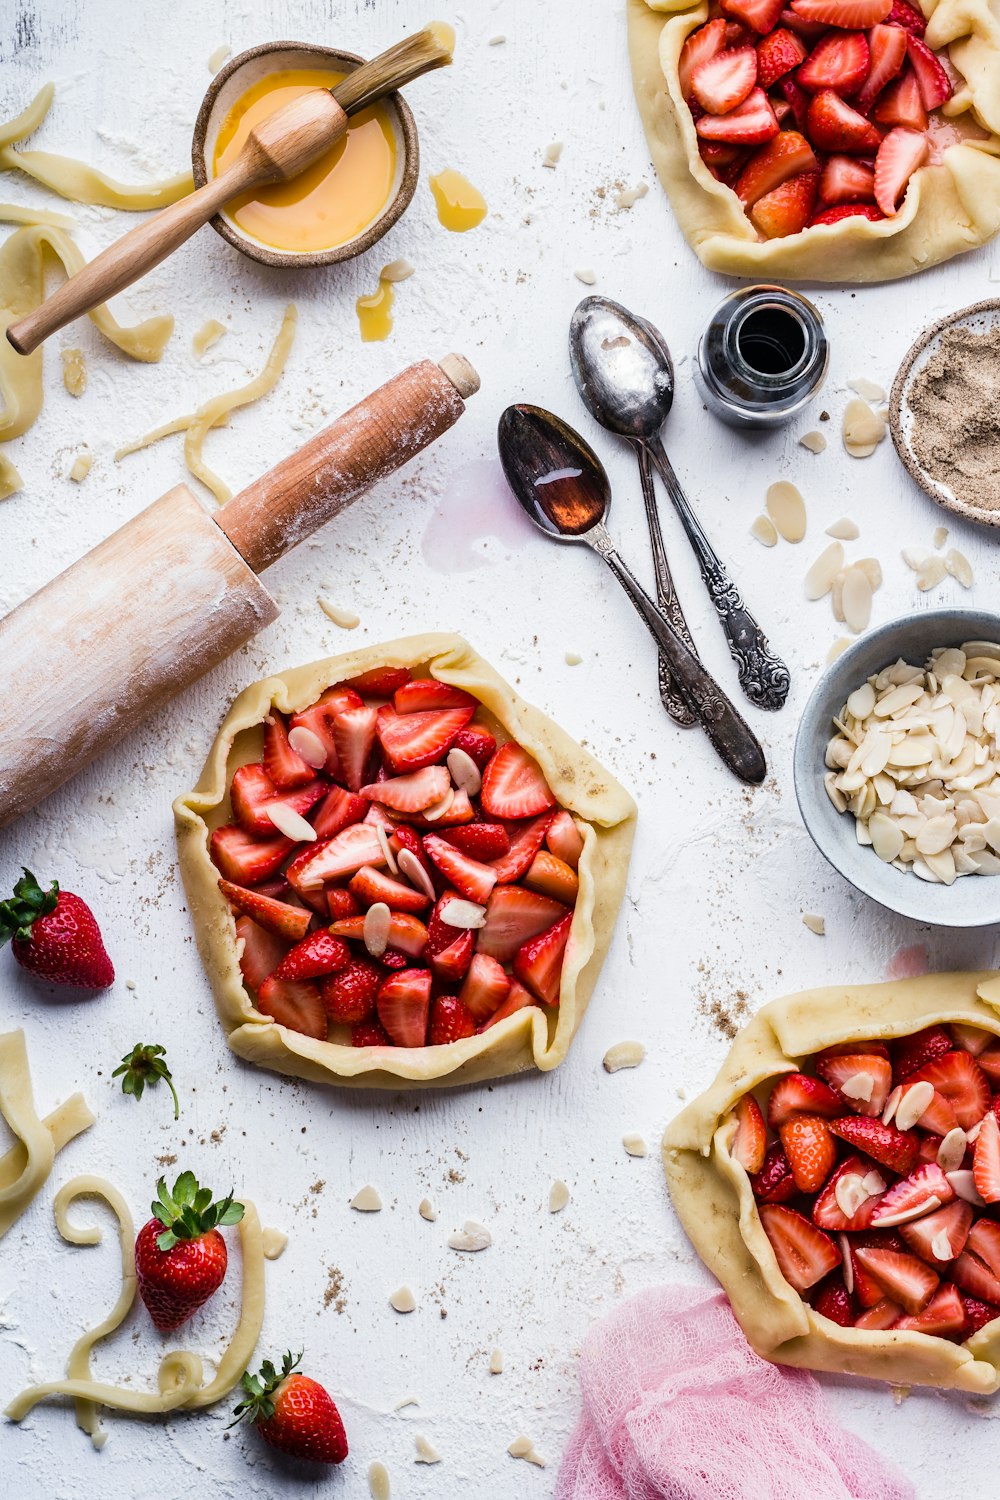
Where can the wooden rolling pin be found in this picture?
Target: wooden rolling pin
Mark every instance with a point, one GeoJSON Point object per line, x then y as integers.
{"type": "Point", "coordinates": [104, 646]}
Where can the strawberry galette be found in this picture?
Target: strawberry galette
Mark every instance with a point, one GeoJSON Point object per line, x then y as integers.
{"type": "Point", "coordinates": [841, 1177]}
{"type": "Point", "coordinates": [830, 140]}
{"type": "Point", "coordinates": [398, 870]}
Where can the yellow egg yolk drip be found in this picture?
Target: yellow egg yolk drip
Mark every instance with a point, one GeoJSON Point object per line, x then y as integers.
{"type": "Point", "coordinates": [460, 206]}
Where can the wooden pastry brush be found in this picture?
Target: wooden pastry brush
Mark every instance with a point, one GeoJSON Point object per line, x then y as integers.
{"type": "Point", "coordinates": [281, 146]}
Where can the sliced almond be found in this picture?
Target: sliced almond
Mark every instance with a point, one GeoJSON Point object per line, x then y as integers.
{"type": "Point", "coordinates": [838, 648]}
{"type": "Point", "coordinates": [426, 1452]}
{"type": "Point", "coordinates": [366, 1200]}
{"type": "Point", "coordinates": [464, 771]}
{"type": "Point", "coordinates": [850, 1193]}
{"type": "Point", "coordinates": [940, 536]}
{"type": "Point", "coordinates": [397, 270]}
{"type": "Point", "coordinates": [292, 824]}
{"type": "Point", "coordinates": [523, 1447]}
{"type": "Point", "coordinates": [892, 1104]}
{"type": "Point", "coordinates": [819, 579]}
{"type": "Point", "coordinates": [873, 1184]}
{"type": "Point", "coordinates": [465, 915]}
{"type": "Point", "coordinates": [439, 808]}
{"type": "Point", "coordinates": [473, 1236]}
{"type": "Point", "coordinates": [916, 1211]}
{"type": "Point", "coordinates": [814, 441]}
{"type": "Point", "coordinates": [887, 837]}
{"type": "Point", "coordinates": [847, 1262]}
{"type": "Point", "coordinates": [845, 529]}
{"type": "Point", "coordinates": [558, 1196]}
{"type": "Point", "coordinates": [858, 1086]}
{"type": "Point", "coordinates": [427, 1211]}
{"type": "Point", "coordinates": [951, 1152]}
{"type": "Point", "coordinates": [931, 574]}
{"type": "Point", "coordinates": [913, 1103]}
{"type": "Point", "coordinates": [415, 873]}
{"type": "Point", "coordinates": [387, 853]}
{"type": "Point", "coordinates": [941, 1246]}
{"type": "Point", "coordinates": [857, 600]}
{"type": "Point", "coordinates": [959, 567]}
{"type": "Point", "coordinates": [307, 743]}
{"type": "Point", "coordinates": [964, 1186]}
{"type": "Point", "coordinates": [496, 1362]}
{"type": "Point", "coordinates": [378, 922]}
{"type": "Point", "coordinates": [872, 569]}
{"type": "Point", "coordinates": [814, 922]}
{"type": "Point", "coordinates": [402, 1300]}
{"type": "Point", "coordinates": [866, 389]}
{"type": "Point", "coordinates": [635, 1145]}
{"type": "Point", "coordinates": [863, 428]}
{"type": "Point", "coordinates": [763, 530]}
{"type": "Point", "coordinates": [787, 510]}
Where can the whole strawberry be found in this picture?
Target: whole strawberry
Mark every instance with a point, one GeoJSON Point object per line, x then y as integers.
{"type": "Point", "coordinates": [55, 936]}
{"type": "Point", "coordinates": [180, 1256]}
{"type": "Point", "coordinates": [293, 1413]}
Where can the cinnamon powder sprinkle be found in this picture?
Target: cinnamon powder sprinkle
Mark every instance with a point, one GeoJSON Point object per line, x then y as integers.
{"type": "Point", "coordinates": [955, 401]}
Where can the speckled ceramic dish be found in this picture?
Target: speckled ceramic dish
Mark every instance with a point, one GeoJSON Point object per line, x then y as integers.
{"type": "Point", "coordinates": [981, 317]}
{"type": "Point", "coordinates": [974, 900]}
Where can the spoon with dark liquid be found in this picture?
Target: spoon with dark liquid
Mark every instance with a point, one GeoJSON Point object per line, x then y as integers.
{"type": "Point", "coordinates": [624, 372]}
{"type": "Point", "coordinates": [561, 484]}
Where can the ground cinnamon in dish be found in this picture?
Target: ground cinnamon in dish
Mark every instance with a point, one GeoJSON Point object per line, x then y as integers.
{"type": "Point", "coordinates": [955, 400]}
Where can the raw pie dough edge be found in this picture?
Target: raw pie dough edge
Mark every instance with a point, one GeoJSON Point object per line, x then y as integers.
{"type": "Point", "coordinates": [951, 207]}
{"type": "Point", "coordinates": [713, 1199]}
{"type": "Point", "coordinates": [523, 1040]}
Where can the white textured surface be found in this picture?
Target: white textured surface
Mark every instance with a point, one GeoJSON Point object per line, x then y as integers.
{"type": "Point", "coordinates": [720, 876]}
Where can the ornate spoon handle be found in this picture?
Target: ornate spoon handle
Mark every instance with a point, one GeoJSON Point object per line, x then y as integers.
{"type": "Point", "coordinates": [763, 676]}
{"type": "Point", "coordinates": [672, 698]}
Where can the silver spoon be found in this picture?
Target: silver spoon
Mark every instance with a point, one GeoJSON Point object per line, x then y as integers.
{"type": "Point", "coordinates": [624, 372]}
{"type": "Point", "coordinates": [560, 483]}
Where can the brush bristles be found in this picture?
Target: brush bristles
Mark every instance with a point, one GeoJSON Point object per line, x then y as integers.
{"type": "Point", "coordinates": [428, 49]}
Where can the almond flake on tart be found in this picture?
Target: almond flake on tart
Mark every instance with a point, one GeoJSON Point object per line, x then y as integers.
{"type": "Point", "coordinates": [400, 872]}
{"type": "Point", "coordinates": [828, 140]}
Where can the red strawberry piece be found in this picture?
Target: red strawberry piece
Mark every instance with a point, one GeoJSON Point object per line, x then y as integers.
{"type": "Point", "coordinates": [932, 80]}
{"type": "Point", "coordinates": [986, 1160]}
{"type": "Point", "coordinates": [552, 878]}
{"type": "Point", "coordinates": [786, 209]}
{"type": "Point", "coordinates": [925, 1189]}
{"type": "Point", "coordinates": [883, 1315]}
{"type": "Point", "coordinates": [293, 1413]}
{"type": "Point", "coordinates": [538, 963]}
{"type": "Point", "coordinates": [810, 31]}
{"type": "Point", "coordinates": [285, 921]}
{"type": "Point", "coordinates": [724, 81]}
{"type": "Point", "coordinates": [899, 156]}
{"type": "Point", "coordinates": [943, 1316]}
{"type": "Point", "coordinates": [909, 17]}
{"type": "Point", "coordinates": [406, 839]}
{"type": "Point", "coordinates": [939, 1116]}
{"type": "Point", "coordinates": [887, 45]}
{"type": "Point", "coordinates": [810, 1150]}
{"type": "Point", "coordinates": [55, 936]}
{"type": "Point", "coordinates": [928, 1148]}
{"type": "Point", "coordinates": [851, 15]}
{"type": "Point", "coordinates": [804, 1253]}
{"type": "Point", "coordinates": [350, 995]}
{"type": "Point", "coordinates": [846, 180]}
{"type": "Point", "coordinates": [354, 737]}
{"type": "Point", "coordinates": [313, 896]}
{"type": "Point", "coordinates": [394, 958]}
{"type": "Point", "coordinates": [977, 1270]}
{"type": "Point", "coordinates": [940, 1237]}
{"type": "Point", "coordinates": [827, 1212]}
{"type": "Point", "coordinates": [798, 1093]}
{"type": "Point", "coordinates": [798, 99]}
{"type": "Point", "coordinates": [774, 1182]}
{"type": "Point", "coordinates": [180, 1256]}
{"type": "Point", "coordinates": [283, 766]}
{"type": "Point", "coordinates": [346, 853]}
{"type": "Point", "coordinates": [245, 860]}
{"type": "Point", "coordinates": [426, 693]}
{"type": "Point", "coordinates": [702, 44]}
{"type": "Point", "coordinates": [483, 841]}
{"type": "Point", "coordinates": [977, 1314]}
{"type": "Point", "coordinates": [412, 741]}
{"type": "Point", "coordinates": [319, 953]}
{"type": "Point", "coordinates": [295, 1004]}
{"type": "Point", "coordinates": [460, 811]}
{"type": "Point", "coordinates": [751, 124]}
{"type": "Point", "coordinates": [777, 55]}
{"type": "Point", "coordinates": [912, 1052]}
{"type": "Point", "coordinates": [833, 125]}
{"type": "Point", "coordinates": [786, 156]}
{"type": "Point", "coordinates": [485, 987]}
{"type": "Point", "coordinates": [723, 159]}
{"type": "Point", "coordinates": [760, 15]}
{"type": "Point", "coordinates": [960, 1080]}
{"type": "Point", "coordinates": [412, 792]}
{"type": "Point", "coordinates": [513, 785]}
{"type": "Point", "coordinates": [518, 998]}
{"type": "Point", "coordinates": [749, 1146]}
{"type": "Point", "coordinates": [477, 743]}
{"type": "Point", "coordinates": [868, 1291]}
{"type": "Point", "coordinates": [450, 964]}
{"type": "Point", "coordinates": [319, 741]}
{"type": "Point", "coordinates": [513, 916]}
{"type": "Point", "coordinates": [261, 951]}
{"type": "Point", "coordinates": [890, 1147]}
{"type": "Point", "coordinates": [470, 877]}
{"type": "Point", "coordinates": [252, 790]}
{"type": "Point", "coordinates": [851, 1049]}
{"type": "Point", "coordinates": [847, 211]}
{"type": "Point", "coordinates": [989, 1061]}
{"type": "Point", "coordinates": [524, 845]}
{"type": "Point", "coordinates": [338, 810]}
{"type": "Point", "coordinates": [970, 1038]}
{"type": "Point", "coordinates": [451, 1020]}
{"type": "Point", "coordinates": [370, 885]}
{"type": "Point", "coordinates": [833, 1301]}
{"type": "Point", "coordinates": [904, 1278]}
{"type": "Point", "coordinates": [900, 104]}
{"type": "Point", "coordinates": [369, 1034]}
{"type": "Point", "coordinates": [840, 61]}
{"type": "Point", "coordinates": [854, 1076]}
{"type": "Point", "coordinates": [737, 35]}
{"type": "Point", "coordinates": [406, 934]}
{"type": "Point", "coordinates": [564, 839]}
{"type": "Point", "coordinates": [379, 682]}
{"type": "Point", "coordinates": [404, 1006]}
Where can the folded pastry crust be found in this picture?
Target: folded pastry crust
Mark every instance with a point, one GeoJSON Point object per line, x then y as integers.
{"type": "Point", "coordinates": [533, 1037]}
{"type": "Point", "coordinates": [951, 205]}
{"type": "Point", "coordinates": [712, 1195]}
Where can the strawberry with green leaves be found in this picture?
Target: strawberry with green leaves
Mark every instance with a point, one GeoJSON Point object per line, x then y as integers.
{"type": "Point", "coordinates": [54, 935]}
{"type": "Point", "coordinates": [293, 1413]}
{"type": "Point", "coordinates": [180, 1256]}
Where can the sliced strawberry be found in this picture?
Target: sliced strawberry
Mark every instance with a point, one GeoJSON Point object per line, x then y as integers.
{"type": "Point", "coordinates": [977, 1314]}
{"type": "Point", "coordinates": [404, 1006]}
{"type": "Point", "coordinates": [513, 917]}
{"type": "Point", "coordinates": [840, 61]}
{"type": "Point", "coordinates": [412, 792]}
{"type": "Point", "coordinates": [485, 987]}
{"type": "Point", "coordinates": [833, 125]}
{"type": "Point", "coordinates": [810, 1150]}
{"type": "Point", "coordinates": [701, 45]}
{"type": "Point", "coordinates": [887, 46]}
{"type": "Point", "coordinates": [851, 1049]}
{"type": "Point", "coordinates": [245, 860]}
{"type": "Point", "coordinates": [890, 1147]}
{"type": "Point", "coordinates": [787, 155]}
{"type": "Point", "coordinates": [960, 1080]}
{"type": "Point", "coordinates": [804, 1253]}
{"type": "Point", "coordinates": [346, 853]}
{"type": "Point", "coordinates": [810, 31]}
{"type": "Point", "coordinates": [406, 933]}
{"type": "Point", "coordinates": [250, 799]}
{"type": "Point", "coordinates": [903, 1278]}
{"type": "Point", "coordinates": [856, 1075]}
{"type": "Point", "coordinates": [426, 693]}
{"type": "Point", "coordinates": [737, 35]}
{"type": "Point", "coordinates": [450, 964]}
{"type": "Point", "coordinates": [760, 15]}
{"type": "Point", "coordinates": [412, 741]}
{"type": "Point", "coordinates": [868, 1291]}
{"type": "Point", "coordinates": [477, 743]}
{"type": "Point", "coordinates": [538, 962]}
{"type": "Point", "coordinates": [450, 1021]}
{"type": "Point", "coordinates": [883, 1315]}
{"type": "Point", "coordinates": [932, 80]}
{"type": "Point", "coordinates": [484, 841]}
{"type": "Point", "coordinates": [989, 1061]}
{"type": "Point", "coordinates": [723, 81]}
{"type": "Point", "coordinates": [284, 921]}
{"type": "Point", "coordinates": [469, 876]}
{"type": "Point", "coordinates": [851, 15]}
{"type": "Point", "coordinates": [293, 1004]}
{"type": "Point", "coordinates": [749, 1145]}
{"type": "Point", "coordinates": [260, 951]}
{"type": "Point", "coordinates": [900, 104]}
{"type": "Point", "coordinates": [281, 763]}
{"type": "Point", "coordinates": [354, 737]}
{"type": "Point", "coordinates": [379, 682]}
{"type": "Point", "coordinates": [983, 1245]}
{"type": "Point", "coordinates": [774, 1182]}
{"type": "Point", "coordinates": [970, 1038]}
{"type": "Point", "coordinates": [369, 1034]}
{"type": "Point", "coordinates": [369, 885]}
{"type": "Point", "coordinates": [777, 55]}
{"type": "Point", "coordinates": [517, 999]}
{"type": "Point", "coordinates": [986, 1160]}
{"type": "Point", "coordinates": [943, 1316]}
{"type": "Point", "coordinates": [513, 785]}
{"type": "Point", "coordinates": [908, 16]}
{"type": "Point", "coordinates": [318, 720]}
{"type": "Point", "coordinates": [338, 810]}
{"type": "Point", "coordinates": [912, 1052]}
{"type": "Point", "coordinates": [723, 159]}
{"type": "Point", "coordinates": [751, 124]}
{"type": "Point", "coordinates": [833, 1301]}
{"type": "Point", "coordinates": [925, 1189]}
{"type": "Point", "coordinates": [828, 1213]}
{"type": "Point", "coordinates": [786, 209]}
{"type": "Point", "coordinates": [319, 953]}
{"type": "Point", "coordinates": [404, 837]}
{"type": "Point", "coordinates": [350, 995]}
{"type": "Point", "coordinates": [975, 1275]}
{"type": "Point", "coordinates": [844, 179]}
{"type": "Point", "coordinates": [798, 99]}
{"type": "Point", "coordinates": [899, 156]}
{"type": "Point", "coordinates": [798, 1093]}
{"type": "Point", "coordinates": [552, 878]}
{"type": "Point", "coordinates": [525, 843]}
{"type": "Point", "coordinates": [847, 211]}
{"type": "Point", "coordinates": [460, 811]}
{"type": "Point", "coordinates": [940, 1237]}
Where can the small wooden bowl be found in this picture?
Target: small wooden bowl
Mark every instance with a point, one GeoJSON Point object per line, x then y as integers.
{"type": "Point", "coordinates": [983, 316]}
{"type": "Point", "coordinates": [232, 82]}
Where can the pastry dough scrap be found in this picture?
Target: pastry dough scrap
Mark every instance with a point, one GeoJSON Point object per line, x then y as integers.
{"type": "Point", "coordinates": [714, 1200]}
{"type": "Point", "coordinates": [25, 1168]}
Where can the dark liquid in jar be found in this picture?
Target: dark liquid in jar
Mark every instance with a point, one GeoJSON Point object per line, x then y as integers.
{"type": "Point", "coordinates": [771, 341]}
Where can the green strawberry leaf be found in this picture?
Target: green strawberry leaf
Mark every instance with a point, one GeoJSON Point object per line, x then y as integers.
{"type": "Point", "coordinates": [146, 1063]}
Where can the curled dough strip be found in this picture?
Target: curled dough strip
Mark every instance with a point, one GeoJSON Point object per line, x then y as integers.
{"type": "Point", "coordinates": [69, 1120]}
{"type": "Point", "coordinates": [17, 1106]}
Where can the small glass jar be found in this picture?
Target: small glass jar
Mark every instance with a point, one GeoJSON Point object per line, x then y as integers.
{"type": "Point", "coordinates": [762, 357]}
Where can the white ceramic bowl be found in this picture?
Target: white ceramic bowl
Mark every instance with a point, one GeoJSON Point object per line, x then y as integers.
{"type": "Point", "coordinates": [973, 900]}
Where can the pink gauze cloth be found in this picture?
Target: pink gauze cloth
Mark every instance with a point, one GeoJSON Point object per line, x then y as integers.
{"type": "Point", "coordinates": [677, 1406]}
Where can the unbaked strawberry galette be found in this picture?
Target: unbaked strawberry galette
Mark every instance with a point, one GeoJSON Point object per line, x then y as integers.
{"type": "Point", "coordinates": [831, 139]}
{"type": "Point", "coordinates": [398, 870]}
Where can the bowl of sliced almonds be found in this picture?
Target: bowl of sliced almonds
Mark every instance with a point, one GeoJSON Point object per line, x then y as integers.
{"type": "Point", "coordinates": [897, 766]}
